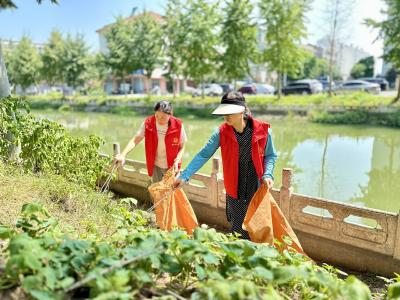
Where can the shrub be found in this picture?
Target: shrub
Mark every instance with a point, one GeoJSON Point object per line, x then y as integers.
{"type": "Point", "coordinates": [46, 146]}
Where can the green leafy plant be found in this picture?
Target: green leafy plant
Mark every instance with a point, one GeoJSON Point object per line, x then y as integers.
{"type": "Point", "coordinates": [141, 261]}
{"type": "Point", "coordinates": [46, 146]}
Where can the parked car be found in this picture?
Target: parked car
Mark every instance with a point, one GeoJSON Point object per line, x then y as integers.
{"type": "Point", "coordinates": [226, 87]}
{"type": "Point", "coordinates": [384, 84]}
{"type": "Point", "coordinates": [325, 85]}
{"type": "Point", "coordinates": [265, 89]}
{"type": "Point", "coordinates": [209, 90]}
{"type": "Point", "coordinates": [250, 89]}
{"type": "Point", "coordinates": [189, 89]}
{"type": "Point", "coordinates": [304, 87]}
{"type": "Point", "coordinates": [358, 85]}
{"type": "Point", "coordinates": [53, 89]}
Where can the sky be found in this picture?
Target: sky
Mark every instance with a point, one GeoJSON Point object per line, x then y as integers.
{"type": "Point", "coordinates": [70, 16]}
{"type": "Point", "coordinates": [86, 16]}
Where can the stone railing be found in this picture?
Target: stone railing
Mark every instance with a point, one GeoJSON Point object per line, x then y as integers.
{"type": "Point", "coordinates": [331, 238]}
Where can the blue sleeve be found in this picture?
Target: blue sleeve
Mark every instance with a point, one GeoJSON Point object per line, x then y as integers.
{"type": "Point", "coordinates": [202, 157]}
{"type": "Point", "coordinates": [270, 157]}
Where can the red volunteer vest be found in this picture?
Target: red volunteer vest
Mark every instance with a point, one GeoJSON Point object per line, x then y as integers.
{"type": "Point", "coordinates": [230, 153]}
{"type": "Point", "coordinates": [172, 141]}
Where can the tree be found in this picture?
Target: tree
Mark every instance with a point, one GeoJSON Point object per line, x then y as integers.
{"type": "Point", "coordinates": [4, 84]}
{"type": "Point", "coordinates": [199, 49]}
{"type": "Point", "coordinates": [97, 68]}
{"type": "Point", "coordinates": [95, 73]}
{"type": "Point", "coordinates": [52, 57]}
{"type": "Point", "coordinates": [4, 4]}
{"type": "Point", "coordinates": [358, 71]}
{"type": "Point", "coordinates": [147, 44]}
{"type": "Point", "coordinates": [119, 56]}
{"type": "Point", "coordinates": [284, 25]}
{"type": "Point", "coordinates": [239, 39]}
{"type": "Point", "coordinates": [391, 76]}
{"type": "Point", "coordinates": [363, 68]}
{"type": "Point", "coordinates": [313, 67]}
{"type": "Point", "coordinates": [174, 34]}
{"type": "Point", "coordinates": [369, 63]}
{"type": "Point", "coordinates": [389, 30]}
{"type": "Point", "coordinates": [24, 64]}
{"type": "Point", "coordinates": [74, 61]}
{"type": "Point", "coordinates": [337, 15]}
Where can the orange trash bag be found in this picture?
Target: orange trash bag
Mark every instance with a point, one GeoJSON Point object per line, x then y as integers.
{"type": "Point", "coordinates": [172, 207]}
{"type": "Point", "coordinates": [265, 221]}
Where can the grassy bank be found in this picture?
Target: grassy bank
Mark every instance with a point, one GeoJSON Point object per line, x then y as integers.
{"type": "Point", "coordinates": [76, 207]}
{"type": "Point", "coordinates": [358, 117]}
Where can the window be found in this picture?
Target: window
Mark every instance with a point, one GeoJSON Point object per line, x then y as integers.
{"type": "Point", "coordinates": [138, 85]}
{"type": "Point", "coordinates": [155, 83]}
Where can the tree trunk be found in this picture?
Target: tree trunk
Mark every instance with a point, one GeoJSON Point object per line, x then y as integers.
{"type": "Point", "coordinates": [395, 100]}
{"type": "Point", "coordinates": [202, 89]}
{"type": "Point", "coordinates": [323, 163]}
{"type": "Point", "coordinates": [125, 91]}
{"type": "Point", "coordinates": [148, 86]}
{"type": "Point", "coordinates": [330, 74]}
{"type": "Point", "coordinates": [173, 88]}
{"type": "Point", "coordinates": [279, 86]}
{"type": "Point", "coordinates": [332, 47]}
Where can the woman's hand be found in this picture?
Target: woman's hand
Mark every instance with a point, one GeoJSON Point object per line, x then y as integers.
{"type": "Point", "coordinates": [119, 159]}
{"type": "Point", "coordinates": [178, 183]}
{"type": "Point", "coordinates": [268, 182]}
{"type": "Point", "coordinates": [176, 167]}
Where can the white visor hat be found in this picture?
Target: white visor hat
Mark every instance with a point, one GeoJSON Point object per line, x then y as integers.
{"type": "Point", "coordinates": [228, 109]}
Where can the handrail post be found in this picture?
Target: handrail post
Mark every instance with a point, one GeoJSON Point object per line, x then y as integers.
{"type": "Point", "coordinates": [215, 166]}
{"type": "Point", "coordinates": [286, 191]}
{"type": "Point", "coordinates": [396, 252]}
{"type": "Point", "coordinates": [117, 150]}
{"type": "Point", "coordinates": [214, 181]}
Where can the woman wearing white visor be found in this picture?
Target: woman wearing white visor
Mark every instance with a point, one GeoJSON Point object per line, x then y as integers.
{"type": "Point", "coordinates": [248, 157]}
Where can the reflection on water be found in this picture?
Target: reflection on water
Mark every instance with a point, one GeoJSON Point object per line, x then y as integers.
{"type": "Point", "coordinates": [353, 164]}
